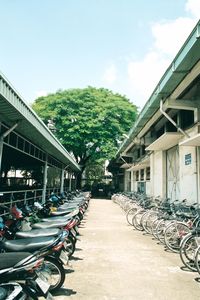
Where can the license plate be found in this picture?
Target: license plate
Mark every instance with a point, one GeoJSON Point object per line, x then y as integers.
{"type": "Point", "coordinates": [42, 282]}
{"type": "Point", "coordinates": [73, 232]}
{"type": "Point", "coordinates": [64, 257]}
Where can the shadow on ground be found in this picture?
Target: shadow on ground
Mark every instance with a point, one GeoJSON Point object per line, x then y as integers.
{"type": "Point", "coordinates": [76, 258]}
{"type": "Point", "coordinates": [64, 292]}
{"type": "Point", "coordinates": [185, 269]}
{"type": "Point", "coordinates": [68, 271]}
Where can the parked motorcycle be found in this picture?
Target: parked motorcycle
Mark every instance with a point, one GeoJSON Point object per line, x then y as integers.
{"type": "Point", "coordinates": [29, 270]}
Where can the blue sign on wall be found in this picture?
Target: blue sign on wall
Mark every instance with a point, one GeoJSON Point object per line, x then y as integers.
{"type": "Point", "coordinates": [188, 159]}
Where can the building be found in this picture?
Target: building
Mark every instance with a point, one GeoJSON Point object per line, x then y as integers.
{"type": "Point", "coordinates": [161, 156]}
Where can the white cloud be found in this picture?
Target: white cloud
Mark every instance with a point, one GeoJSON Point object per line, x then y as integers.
{"type": "Point", "coordinates": [41, 93]}
{"type": "Point", "coordinates": [193, 6]}
{"type": "Point", "coordinates": [110, 74]}
{"type": "Point", "coordinates": [145, 74]}
{"type": "Point", "coordinates": [169, 36]}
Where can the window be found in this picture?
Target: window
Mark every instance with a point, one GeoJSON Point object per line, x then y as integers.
{"type": "Point", "coordinates": [142, 174]}
{"type": "Point", "coordinates": [160, 132]}
{"type": "Point", "coordinates": [143, 149]}
{"type": "Point", "coordinates": [148, 176]}
{"type": "Point", "coordinates": [137, 175]}
{"type": "Point", "coordinates": [186, 118]}
{"type": "Point", "coordinates": [170, 127]}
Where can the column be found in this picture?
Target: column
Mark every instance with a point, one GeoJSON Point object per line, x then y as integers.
{"type": "Point", "coordinates": [70, 181]}
{"type": "Point", "coordinates": [1, 151]}
{"type": "Point", "coordinates": [44, 181]}
{"type": "Point", "coordinates": [62, 180]}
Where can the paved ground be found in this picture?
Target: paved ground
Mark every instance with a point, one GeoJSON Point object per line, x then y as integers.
{"type": "Point", "coordinates": [114, 262]}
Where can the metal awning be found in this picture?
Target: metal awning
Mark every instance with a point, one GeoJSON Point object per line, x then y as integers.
{"type": "Point", "coordinates": [165, 141]}
{"type": "Point", "coordinates": [192, 141]}
{"type": "Point", "coordinates": [125, 166]}
{"type": "Point", "coordinates": [141, 164]}
{"type": "Point", "coordinates": [13, 109]}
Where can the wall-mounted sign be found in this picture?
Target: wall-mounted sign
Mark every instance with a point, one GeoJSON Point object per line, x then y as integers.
{"type": "Point", "coordinates": [188, 159]}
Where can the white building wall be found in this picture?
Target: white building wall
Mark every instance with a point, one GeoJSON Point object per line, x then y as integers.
{"type": "Point", "coordinates": [188, 174]}
{"type": "Point", "coordinates": [132, 181]}
{"type": "Point", "coordinates": [127, 182]}
{"type": "Point", "coordinates": [148, 188]}
{"type": "Point", "coordinates": [158, 174]}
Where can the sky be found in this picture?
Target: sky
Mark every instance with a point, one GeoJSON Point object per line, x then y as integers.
{"type": "Point", "coordinates": [123, 45]}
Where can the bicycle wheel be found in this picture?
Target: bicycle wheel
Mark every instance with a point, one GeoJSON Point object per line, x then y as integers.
{"type": "Point", "coordinates": [173, 234]}
{"type": "Point", "coordinates": [160, 228]}
{"type": "Point", "coordinates": [136, 220]}
{"type": "Point", "coordinates": [154, 226]}
{"type": "Point", "coordinates": [197, 259]}
{"type": "Point", "coordinates": [152, 216]}
{"type": "Point", "coordinates": [129, 215]}
{"type": "Point", "coordinates": [188, 248]}
{"type": "Point", "coordinates": [143, 220]}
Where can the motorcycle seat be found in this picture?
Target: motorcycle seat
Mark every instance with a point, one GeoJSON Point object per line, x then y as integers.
{"type": "Point", "coordinates": [38, 233]}
{"type": "Point", "coordinates": [60, 212]}
{"type": "Point", "coordinates": [8, 260]}
{"type": "Point", "coordinates": [72, 212]}
{"type": "Point", "coordinates": [43, 225]}
{"type": "Point", "coordinates": [27, 244]}
{"type": "Point", "coordinates": [57, 219]}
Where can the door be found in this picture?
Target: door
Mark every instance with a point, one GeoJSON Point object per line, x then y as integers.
{"type": "Point", "coordinates": [172, 180]}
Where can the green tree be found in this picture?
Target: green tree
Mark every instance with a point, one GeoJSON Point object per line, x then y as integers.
{"type": "Point", "coordinates": [89, 122]}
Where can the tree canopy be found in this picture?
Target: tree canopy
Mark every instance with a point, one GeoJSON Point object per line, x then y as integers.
{"type": "Point", "coordinates": [89, 122]}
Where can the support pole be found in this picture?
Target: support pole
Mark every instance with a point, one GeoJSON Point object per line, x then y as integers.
{"type": "Point", "coordinates": [44, 181]}
{"type": "Point", "coordinates": [1, 151]}
{"type": "Point", "coordinates": [62, 181]}
{"type": "Point", "coordinates": [70, 181]}
{"type": "Point", "coordinates": [75, 181]}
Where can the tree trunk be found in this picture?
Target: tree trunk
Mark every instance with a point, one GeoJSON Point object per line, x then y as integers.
{"type": "Point", "coordinates": [78, 180]}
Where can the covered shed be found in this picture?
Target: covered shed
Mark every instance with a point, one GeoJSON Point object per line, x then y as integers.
{"type": "Point", "coordinates": [27, 144]}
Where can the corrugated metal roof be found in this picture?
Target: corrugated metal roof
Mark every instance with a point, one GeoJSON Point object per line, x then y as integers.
{"type": "Point", "coordinates": [184, 61]}
{"type": "Point", "coordinates": [13, 108]}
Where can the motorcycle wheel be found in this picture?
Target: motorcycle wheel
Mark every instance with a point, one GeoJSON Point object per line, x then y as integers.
{"type": "Point", "coordinates": [56, 273]}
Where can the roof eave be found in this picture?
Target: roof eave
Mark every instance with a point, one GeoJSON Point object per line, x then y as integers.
{"type": "Point", "coordinates": [185, 59]}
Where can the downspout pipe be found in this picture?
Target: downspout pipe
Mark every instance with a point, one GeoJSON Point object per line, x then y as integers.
{"type": "Point", "coordinates": [172, 121]}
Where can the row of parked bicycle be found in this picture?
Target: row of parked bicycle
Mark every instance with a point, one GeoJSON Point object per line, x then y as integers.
{"type": "Point", "coordinates": [36, 242]}
{"type": "Point", "coordinates": [175, 224]}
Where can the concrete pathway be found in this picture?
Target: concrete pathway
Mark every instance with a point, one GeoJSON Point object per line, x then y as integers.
{"type": "Point", "coordinates": [115, 262]}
